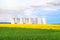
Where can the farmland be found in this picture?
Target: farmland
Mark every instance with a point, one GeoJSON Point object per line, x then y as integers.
{"type": "Point", "coordinates": [33, 26]}
{"type": "Point", "coordinates": [29, 32]}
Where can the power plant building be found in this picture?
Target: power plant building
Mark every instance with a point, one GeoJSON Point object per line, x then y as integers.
{"type": "Point", "coordinates": [28, 21]}
{"type": "Point", "coordinates": [13, 21]}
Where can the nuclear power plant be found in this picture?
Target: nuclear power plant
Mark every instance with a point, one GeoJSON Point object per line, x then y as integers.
{"type": "Point", "coordinates": [28, 21]}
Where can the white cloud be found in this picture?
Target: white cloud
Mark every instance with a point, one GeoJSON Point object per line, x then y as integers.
{"type": "Point", "coordinates": [22, 4]}
{"type": "Point", "coordinates": [26, 7]}
{"type": "Point", "coordinates": [18, 4]}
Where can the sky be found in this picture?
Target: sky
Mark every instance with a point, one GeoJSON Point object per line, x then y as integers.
{"type": "Point", "coordinates": [50, 9]}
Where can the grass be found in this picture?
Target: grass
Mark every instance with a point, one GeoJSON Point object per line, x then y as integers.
{"type": "Point", "coordinates": [28, 34]}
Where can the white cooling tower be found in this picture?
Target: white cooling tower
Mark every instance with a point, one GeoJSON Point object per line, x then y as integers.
{"type": "Point", "coordinates": [44, 20]}
{"type": "Point", "coordinates": [13, 21]}
{"type": "Point", "coordinates": [18, 20]}
{"type": "Point", "coordinates": [34, 20]}
{"type": "Point", "coordinates": [27, 20]}
{"type": "Point", "coordinates": [39, 20]}
{"type": "Point", "coordinates": [30, 21]}
{"type": "Point", "coordinates": [21, 21]}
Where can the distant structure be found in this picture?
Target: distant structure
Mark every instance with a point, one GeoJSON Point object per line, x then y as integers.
{"type": "Point", "coordinates": [20, 21]}
{"type": "Point", "coordinates": [13, 21]}
{"type": "Point", "coordinates": [34, 20]}
{"type": "Point", "coordinates": [28, 21]}
{"type": "Point", "coordinates": [44, 21]}
{"type": "Point", "coordinates": [41, 21]}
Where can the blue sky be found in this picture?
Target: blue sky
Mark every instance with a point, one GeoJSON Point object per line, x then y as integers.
{"type": "Point", "coordinates": [50, 9]}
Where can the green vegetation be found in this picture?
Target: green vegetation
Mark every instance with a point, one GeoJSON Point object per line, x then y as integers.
{"type": "Point", "coordinates": [28, 34]}
{"type": "Point", "coordinates": [5, 23]}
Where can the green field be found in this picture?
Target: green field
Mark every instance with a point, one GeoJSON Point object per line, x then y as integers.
{"type": "Point", "coordinates": [29, 34]}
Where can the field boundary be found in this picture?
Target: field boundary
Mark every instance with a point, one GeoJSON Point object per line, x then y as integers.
{"type": "Point", "coordinates": [36, 26]}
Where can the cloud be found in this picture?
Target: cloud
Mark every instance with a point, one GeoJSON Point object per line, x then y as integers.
{"type": "Point", "coordinates": [19, 4]}
{"type": "Point", "coordinates": [55, 3]}
{"type": "Point", "coordinates": [6, 15]}
{"type": "Point", "coordinates": [23, 4]}
{"type": "Point", "coordinates": [26, 8]}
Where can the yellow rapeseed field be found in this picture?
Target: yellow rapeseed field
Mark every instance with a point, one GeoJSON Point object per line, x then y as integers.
{"type": "Point", "coordinates": [36, 26]}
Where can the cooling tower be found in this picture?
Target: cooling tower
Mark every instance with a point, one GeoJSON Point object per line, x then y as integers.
{"type": "Point", "coordinates": [30, 21]}
{"type": "Point", "coordinates": [27, 20]}
{"type": "Point", "coordinates": [44, 20]}
{"type": "Point", "coordinates": [21, 21]}
{"type": "Point", "coordinates": [13, 21]}
{"type": "Point", "coordinates": [39, 20]}
{"type": "Point", "coordinates": [34, 20]}
{"type": "Point", "coordinates": [18, 20]}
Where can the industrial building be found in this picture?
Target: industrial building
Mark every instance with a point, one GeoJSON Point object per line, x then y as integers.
{"type": "Point", "coordinates": [28, 21]}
